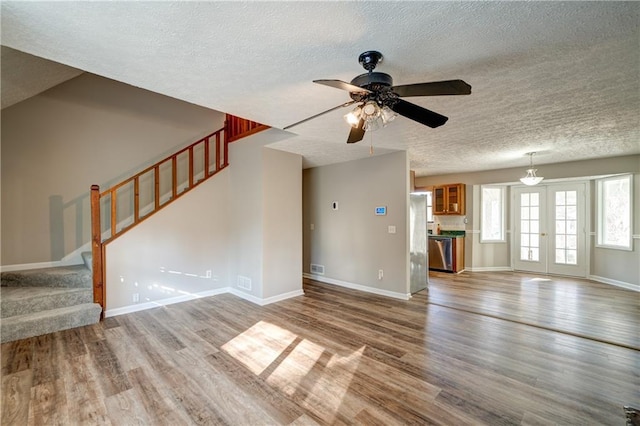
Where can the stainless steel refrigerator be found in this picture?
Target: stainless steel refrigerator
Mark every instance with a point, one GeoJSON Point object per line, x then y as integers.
{"type": "Point", "coordinates": [418, 247]}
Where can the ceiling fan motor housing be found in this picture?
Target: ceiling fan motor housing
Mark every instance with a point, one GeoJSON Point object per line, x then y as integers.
{"type": "Point", "coordinates": [377, 82]}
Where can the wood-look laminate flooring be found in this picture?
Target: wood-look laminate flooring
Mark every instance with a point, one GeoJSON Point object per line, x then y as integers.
{"type": "Point", "coordinates": [332, 356]}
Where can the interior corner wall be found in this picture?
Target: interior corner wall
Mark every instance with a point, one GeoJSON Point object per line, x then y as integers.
{"type": "Point", "coordinates": [351, 242]}
{"type": "Point", "coordinates": [282, 223]}
{"type": "Point", "coordinates": [263, 186]}
{"type": "Point", "coordinates": [88, 130]}
{"type": "Point", "coordinates": [617, 266]}
{"type": "Point", "coordinates": [177, 254]}
{"type": "Point", "coordinates": [486, 256]}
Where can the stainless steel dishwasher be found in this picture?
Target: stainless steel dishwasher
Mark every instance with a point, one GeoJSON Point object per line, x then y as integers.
{"type": "Point", "coordinates": [440, 253]}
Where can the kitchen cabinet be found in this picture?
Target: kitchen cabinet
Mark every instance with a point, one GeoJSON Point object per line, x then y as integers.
{"type": "Point", "coordinates": [449, 199]}
{"type": "Point", "coordinates": [458, 255]}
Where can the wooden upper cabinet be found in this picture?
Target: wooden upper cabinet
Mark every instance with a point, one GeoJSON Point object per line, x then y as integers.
{"type": "Point", "coordinates": [449, 199]}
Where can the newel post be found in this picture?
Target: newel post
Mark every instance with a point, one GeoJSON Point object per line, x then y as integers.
{"type": "Point", "coordinates": [96, 249]}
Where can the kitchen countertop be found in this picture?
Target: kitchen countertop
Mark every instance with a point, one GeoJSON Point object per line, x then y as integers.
{"type": "Point", "coordinates": [448, 234]}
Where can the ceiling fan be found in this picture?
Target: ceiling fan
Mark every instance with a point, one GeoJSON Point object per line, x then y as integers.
{"type": "Point", "coordinates": [379, 101]}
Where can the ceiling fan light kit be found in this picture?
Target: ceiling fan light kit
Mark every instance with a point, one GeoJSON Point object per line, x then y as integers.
{"type": "Point", "coordinates": [379, 101]}
{"type": "Point", "coordinates": [531, 178]}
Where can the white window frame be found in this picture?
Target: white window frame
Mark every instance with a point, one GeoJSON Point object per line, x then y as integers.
{"type": "Point", "coordinates": [600, 214]}
{"type": "Point", "coordinates": [429, 206]}
{"type": "Point", "coordinates": [502, 219]}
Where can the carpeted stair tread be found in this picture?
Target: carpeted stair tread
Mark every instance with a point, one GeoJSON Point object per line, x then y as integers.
{"type": "Point", "coordinates": [44, 322]}
{"type": "Point", "coordinates": [66, 276]}
{"type": "Point", "coordinates": [21, 300]}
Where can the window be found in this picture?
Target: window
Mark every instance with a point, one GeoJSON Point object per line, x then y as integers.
{"type": "Point", "coordinates": [492, 226]}
{"type": "Point", "coordinates": [614, 212]}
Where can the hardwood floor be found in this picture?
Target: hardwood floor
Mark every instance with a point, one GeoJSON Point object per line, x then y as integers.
{"type": "Point", "coordinates": [479, 348]}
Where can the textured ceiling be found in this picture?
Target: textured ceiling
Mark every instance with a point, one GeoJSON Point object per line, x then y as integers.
{"type": "Point", "coordinates": [558, 78]}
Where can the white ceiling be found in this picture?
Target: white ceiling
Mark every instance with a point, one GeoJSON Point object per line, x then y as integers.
{"type": "Point", "coordinates": [558, 78]}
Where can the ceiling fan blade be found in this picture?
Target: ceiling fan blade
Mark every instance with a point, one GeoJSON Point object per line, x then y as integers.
{"type": "Point", "coordinates": [434, 88]}
{"type": "Point", "coordinates": [419, 114]}
{"type": "Point", "coordinates": [319, 114]}
{"type": "Point", "coordinates": [339, 84]}
{"type": "Point", "coordinates": [357, 133]}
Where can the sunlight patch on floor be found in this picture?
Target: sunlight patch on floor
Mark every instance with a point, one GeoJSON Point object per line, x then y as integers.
{"type": "Point", "coordinates": [301, 369]}
{"type": "Point", "coordinates": [259, 346]}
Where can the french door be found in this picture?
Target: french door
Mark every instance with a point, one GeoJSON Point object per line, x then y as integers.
{"type": "Point", "coordinates": [549, 229]}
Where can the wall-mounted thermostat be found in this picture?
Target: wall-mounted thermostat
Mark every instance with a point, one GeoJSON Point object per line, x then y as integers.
{"type": "Point", "coordinates": [381, 211]}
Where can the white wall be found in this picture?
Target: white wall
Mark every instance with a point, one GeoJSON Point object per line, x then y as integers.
{"type": "Point", "coordinates": [352, 242]}
{"type": "Point", "coordinates": [282, 223]}
{"type": "Point", "coordinates": [265, 219]}
{"type": "Point", "coordinates": [88, 130]}
{"type": "Point", "coordinates": [176, 254]}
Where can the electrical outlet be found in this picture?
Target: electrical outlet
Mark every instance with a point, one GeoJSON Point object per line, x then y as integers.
{"type": "Point", "coordinates": [380, 274]}
{"type": "Point", "coordinates": [208, 273]}
{"type": "Point", "coordinates": [136, 297]}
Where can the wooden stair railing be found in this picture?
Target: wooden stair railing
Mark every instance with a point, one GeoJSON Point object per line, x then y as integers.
{"type": "Point", "coordinates": [156, 187]}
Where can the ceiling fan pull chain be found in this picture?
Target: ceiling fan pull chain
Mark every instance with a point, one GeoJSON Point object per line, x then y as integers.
{"type": "Point", "coordinates": [371, 143]}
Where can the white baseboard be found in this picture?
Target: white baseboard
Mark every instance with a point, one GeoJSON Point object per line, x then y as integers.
{"type": "Point", "coordinates": [262, 302]}
{"type": "Point", "coordinates": [490, 269]}
{"type": "Point", "coordinates": [358, 287]}
{"type": "Point", "coordinates": [163, 302]}
{"type": "Point", "coordinates": [616, 283]}
{"type": "Point", "coordinates": [39, 265]}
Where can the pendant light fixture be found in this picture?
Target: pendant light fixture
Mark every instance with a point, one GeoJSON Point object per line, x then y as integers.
{"type": "Point", "coordinates": [531, 178]}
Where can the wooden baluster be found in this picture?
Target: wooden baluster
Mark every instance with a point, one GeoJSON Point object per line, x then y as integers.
{"type": "Point", "coordinates": [191, 167]}
{"type": "Point", "coordinates": [156, 184]}
{"type": "Point", "coordinates": [225, 149]}
{"type": "Point", "coordinates": [96, 248]}
{"type": "Point", "coordinates": [206, 157]}
{"type": "Point", "coordinates": [136, 200]}
{"type": "Point", "coordinates": [114, 211]}
{"type": "Point", "coordinates": [218, 156]}
{"type": "Point", "coordinates": [174, 177]}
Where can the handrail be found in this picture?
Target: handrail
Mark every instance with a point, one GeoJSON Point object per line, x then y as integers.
{"type": "Point", "coordinates": [235, 128]}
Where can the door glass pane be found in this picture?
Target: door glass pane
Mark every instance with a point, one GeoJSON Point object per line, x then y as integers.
{"type": "Point", "coordinates": [535, 227]}
{"type": "Point", "coordinates": [529, 225]}
{"type": "Point", "coordinates": [535, 199]}
{"type": "Point", "coordinates": [566, 227]}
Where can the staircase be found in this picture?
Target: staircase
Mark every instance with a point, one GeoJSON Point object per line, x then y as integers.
{"type": "Point", "coordinates": [41, 301]}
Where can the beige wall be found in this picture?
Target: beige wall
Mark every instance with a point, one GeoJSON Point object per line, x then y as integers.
{"type": "Point", "coordinates": [88, 130]}
{"type": "Point", "coordinates": [613, 266]}
{"type": "Point", "coordinates": [265, 220]}
{"type": "Point", "coordinates": [282, 222]}
{"type": "Point", "coordinates": [177, 254]}
{"type": "Point", "coordinates": [352, 242]}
